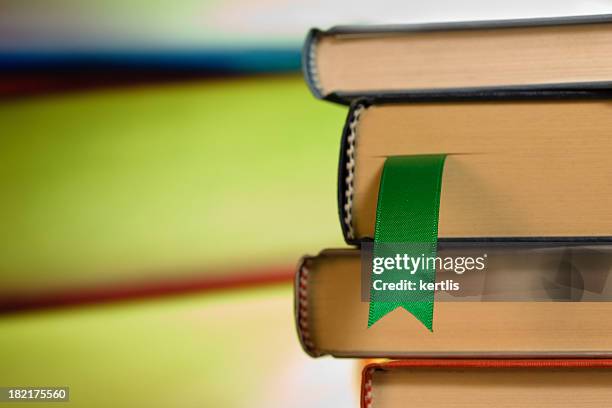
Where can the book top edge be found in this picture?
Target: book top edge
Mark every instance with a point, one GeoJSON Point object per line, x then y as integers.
{"type": "Point", "coordinates": [465, 25]}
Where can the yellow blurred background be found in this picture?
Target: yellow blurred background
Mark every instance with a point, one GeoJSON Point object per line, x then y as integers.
{"type": "Point", "coordinates": [148, 186]}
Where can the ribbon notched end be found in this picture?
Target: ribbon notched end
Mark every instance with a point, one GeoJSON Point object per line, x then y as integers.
{"type": "Point", "coordinates": [422, 311]}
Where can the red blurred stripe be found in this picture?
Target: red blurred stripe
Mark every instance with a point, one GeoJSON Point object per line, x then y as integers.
{"type": "Point", "coordinates": [23, 85]}
{"type": "Point", "coordinates": [12, 303]}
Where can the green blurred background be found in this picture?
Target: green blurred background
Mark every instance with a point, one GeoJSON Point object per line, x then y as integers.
{"type": "Point", "coordinates": [125, 187]}
{"type": "Point", "coordinates": [173, 178]}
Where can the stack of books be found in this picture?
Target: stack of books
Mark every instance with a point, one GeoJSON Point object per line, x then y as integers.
{"type": "Point", "coordinates": [523, 112]}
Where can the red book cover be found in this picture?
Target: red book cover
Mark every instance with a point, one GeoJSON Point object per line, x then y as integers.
{"type": "Point", "coordinates": [367, 384]}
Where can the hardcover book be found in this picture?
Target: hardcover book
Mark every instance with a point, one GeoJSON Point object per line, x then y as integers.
{"type": "Point", "coordinates": [518, 306]}
{"type": "Point", "coordinates": [532, 167]}
{"type": "Point", "coordinates": [347, 62]}
{"type": "Point", "coordinates": [488, 383]}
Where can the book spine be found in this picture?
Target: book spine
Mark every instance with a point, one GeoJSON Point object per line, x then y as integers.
{"type": "Point", "coordinates": [301, 307]}
{"type": "Point", "coordinates": [309, 63]}
{"type": "Point", "coordinates": [346, 172]}
{"type": "Point", "coordinates": [366, 384]}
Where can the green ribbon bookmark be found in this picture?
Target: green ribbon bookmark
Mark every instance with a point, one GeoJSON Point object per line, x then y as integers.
{"type": "Point", "coordinates": [407, 226]}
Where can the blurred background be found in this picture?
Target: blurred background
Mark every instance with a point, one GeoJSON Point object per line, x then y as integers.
{"type": "Point", "coordinates": [162, 169]}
